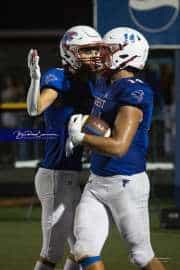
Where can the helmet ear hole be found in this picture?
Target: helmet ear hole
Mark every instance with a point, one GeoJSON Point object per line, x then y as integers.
{"type": "Point", "coordinates": [123, 56]}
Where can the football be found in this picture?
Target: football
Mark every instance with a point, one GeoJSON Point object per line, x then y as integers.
{"type": "Point", "coordinates": [96, 126]}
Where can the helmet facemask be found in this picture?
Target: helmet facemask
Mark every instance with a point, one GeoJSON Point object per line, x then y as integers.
{"type": "Point", "coordinates": [83, 47]}
{"type": "Point", "coordinates": [82, 57]}
{"type": "Point", "coordinates": [94, 57]}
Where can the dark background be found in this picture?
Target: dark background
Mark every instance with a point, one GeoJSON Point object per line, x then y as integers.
{"type": "Point", "coordinates": [30, 15]}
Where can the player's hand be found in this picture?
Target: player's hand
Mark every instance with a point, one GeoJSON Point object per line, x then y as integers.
{"type": "Point", "coordinates": [33, 64]}
{"type": "Point", "coordinates": [74, 128]}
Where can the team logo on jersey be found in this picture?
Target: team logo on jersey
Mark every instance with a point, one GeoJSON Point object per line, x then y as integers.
{"type": "Point", "coordinates": [50, 78]}
{"type": "Point", "coordinates": [98, 106]}
{"type": "Point", "coordinates": [138, 95]}
{"type": "Point", "coordinates": [154, 16]}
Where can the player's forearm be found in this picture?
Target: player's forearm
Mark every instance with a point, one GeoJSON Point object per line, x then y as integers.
{"type": "Point", "coordinates": [33, 97]}
{"type": "Point", "coordinates": [108, 146]}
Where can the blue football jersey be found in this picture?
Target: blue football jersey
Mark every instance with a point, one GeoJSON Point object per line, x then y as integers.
{"type": "Point", "coordinates": [73, 97]}
{"type": "Point", "coordinates": [108, 100]}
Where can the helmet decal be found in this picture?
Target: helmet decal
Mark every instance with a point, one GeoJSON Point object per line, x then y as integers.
{"type": "Point", "coordinates": [69, 35]}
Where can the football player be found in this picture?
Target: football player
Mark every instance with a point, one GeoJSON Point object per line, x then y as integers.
{"type": "Point", "coordinates": [118, 182]}
{"type": "Point", "coordinates": [58, 94]}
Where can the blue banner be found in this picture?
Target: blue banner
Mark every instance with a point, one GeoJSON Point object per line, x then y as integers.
{"type": "Point", "coordinates": [158, 20]}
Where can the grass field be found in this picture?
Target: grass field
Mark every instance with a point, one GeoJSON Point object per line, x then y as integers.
{"type": "Point", "coordinates": [20, 242]}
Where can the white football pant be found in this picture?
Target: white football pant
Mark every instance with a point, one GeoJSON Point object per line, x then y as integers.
{"type": "Point", "coordinates": [59, 193]}
{"type": "Point", "coordinates": [126, 197]}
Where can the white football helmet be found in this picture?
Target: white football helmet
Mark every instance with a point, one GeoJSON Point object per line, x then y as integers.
{"type": "Point", "coordinates": [129, 48]}
{"type": "Point", "coordinates": [78, 37]}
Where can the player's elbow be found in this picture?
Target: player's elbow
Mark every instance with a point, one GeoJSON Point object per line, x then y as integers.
{"type": "Point", "coordinates": [120, 149]}
{"type": "Point", "coordinates": [33, 108]}
{"type": "Point", "coordinates": [33, 112]}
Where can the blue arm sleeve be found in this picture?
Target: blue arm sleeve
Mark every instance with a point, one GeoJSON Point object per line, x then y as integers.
{"type": "Point", "coordinates": [135, 95]}
{"type": "Point", "coordinates": [55, 79]}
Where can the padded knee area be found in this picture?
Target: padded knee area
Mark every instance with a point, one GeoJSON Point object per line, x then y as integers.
{"type": "Point", "coordinates": [83, 250]}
